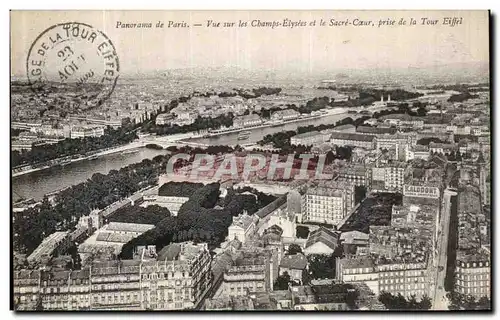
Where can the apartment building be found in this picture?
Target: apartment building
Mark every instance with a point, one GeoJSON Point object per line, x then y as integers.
{"type": "Point", "coordinates": [358, 270]}
{"type": "Point", "coordinates": [177, 279]}
{"type": "Point", "coordinates": [395, 277]}
{"type": "Point", "coordinates": [250, 271]}
{"type": "Point", "coordinates": [473, 273]}
{"type": "Point", "coordinates": [309, 138]}
{"type": "Point", "coordinates": [443, 148]}
{"type": "Point", "coordinates": [284, 115]}
{"type": "Point", "coordinates": [250, 120]}
{"type": "Point", "coordinates": [84, 132]}
{"type": "Point", "coordinates": [389, 176]}
{"type": "Point", "coordinates": [327, 205]}
{"type": "Point", "coordinates": [355, 174]}
{"type": "Point", "coordinates": [342, 139]}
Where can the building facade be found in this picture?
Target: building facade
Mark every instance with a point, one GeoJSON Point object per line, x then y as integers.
{"type": "Point", "coordinates": [342, 139]}
{"type": "Point", "coordinates": [178, 279]}
{"type": "Point", "coordinates": [473, 274]}
{"type": "Point", "coordinates": [327, 205]}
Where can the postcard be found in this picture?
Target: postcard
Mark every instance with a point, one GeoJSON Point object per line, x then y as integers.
{"type": "Point", "coordinates": [314, 160]}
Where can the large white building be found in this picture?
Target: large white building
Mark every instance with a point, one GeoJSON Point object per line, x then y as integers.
{"type": "Point", "coordinates": [389, 177]}
{"type": "Point", "coordinates": [112, 237]}
{"type": "Point", "coordinates": [172, 203]}
{"type": "Point", "coordinates": [242, 227]}
{"type": "Point", "coordinates": [352, 139]}
{"type": "Point", "coordinates": [164, 118]}
{"type": "Point", "coordinates": [327, 205]}
{"type": "Point", "coordinates": [84, 132]}
{"type": "Point", "coordinates": [310, 138]}
{"type": "Point", "coordinates": [250, 120]}
{"type": "Point", "coordinates": [284, 115]}
{"type": "Point", "coordinates": [397, 142]}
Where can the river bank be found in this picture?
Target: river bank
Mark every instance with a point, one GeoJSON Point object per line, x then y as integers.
{"type": "Point", "coordinates": [67, 160]}
{"type": "Point", "coordinates": [326, 113]}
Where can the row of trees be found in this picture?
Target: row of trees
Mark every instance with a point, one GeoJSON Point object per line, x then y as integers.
{"type": "Point", "coordinates": [178, 189]}
{"type": "Point", "coordinates": [198, 219]}
{"type": "Point", "coordinates": [396, 94]}
{"type": "Point", "coordinates": [427, 141]}
{"type": "Point", "coordinates": [460, 301]}
{"type": "Point", "coordinates": [137, 214]}
{"type": "Point", "coordinates": [33, 224]}
{"type": "Point", "coordinates": [70, 147]}
{"type": "Point", "coordinates": [398, 302]}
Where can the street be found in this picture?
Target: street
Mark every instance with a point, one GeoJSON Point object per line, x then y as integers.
{"type": "Point", "coordinates": [439, 300]}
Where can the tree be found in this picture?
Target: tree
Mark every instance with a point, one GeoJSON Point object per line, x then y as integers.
{"type": "Point", "coordinates": [425, 303]}
{"type": "Point", "coordinates": [294, 249]}
{"type": "Point", "coordinates": [321, 266]}
{"type": "Point", "coordinates": [39, 304]}
{"type": "Point", "coordinates": [282, 282]}
{"type": "Point", "coordinates": [359, 193]}
{"type": "Point", "coordinates": [302, 232]}
{"type": "Point", "coordinates": [460, 301]}
{"type": "Point", "coordinates": [421, 111]}
{"type": "Point", "coordinates": [398, 302]}
{"type": "Point", "coordinates": [484, 304]}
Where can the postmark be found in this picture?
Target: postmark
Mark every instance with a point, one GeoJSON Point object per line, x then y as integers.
{"type": "Point", "coordinates": [74, 62]}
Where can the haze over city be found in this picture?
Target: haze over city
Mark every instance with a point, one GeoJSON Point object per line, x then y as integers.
{"type": "Point", "coordinates": [300, 50]}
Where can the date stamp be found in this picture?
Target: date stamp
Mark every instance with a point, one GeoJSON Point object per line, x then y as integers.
{"type": "Point", "coordinates": [76, 59]}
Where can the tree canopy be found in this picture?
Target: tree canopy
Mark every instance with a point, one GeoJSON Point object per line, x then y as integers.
{"type": "Point", "coordinates": [398, 302]}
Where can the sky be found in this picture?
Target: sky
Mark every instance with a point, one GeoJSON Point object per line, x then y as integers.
{"type": "Point", "coordinates": [304, 49]}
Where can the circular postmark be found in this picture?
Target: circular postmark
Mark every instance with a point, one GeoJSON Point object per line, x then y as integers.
{"type": "Point", "coordinates": [74, 64]}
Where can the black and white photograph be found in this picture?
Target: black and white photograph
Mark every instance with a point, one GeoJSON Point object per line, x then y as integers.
{"type": "Point", "coordinates": [250, 160]}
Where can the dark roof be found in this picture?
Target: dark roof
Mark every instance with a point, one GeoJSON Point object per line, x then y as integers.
{"type": "Point", "coordinates": [336, 293]}
{"type": "Point", "coordinates": [375, 130]}
{"type": "Point", "coordinates": [271, 207]}
{"type": "Point", "coordinates": [80, 274]}
{"type": "Point", "coordinates": [306, 134]}
{"type": "Point", "coordinates": [352, 136]}
{"type": "Point", "coordinates": [296, 261]}
{"type": "Point", "coordinates": [322, 234]}
{"type": "Point", "coordinates": [274, 229]}
{"type": "Point", "coordinates": [331, 293]}
{"type": "Point", "coordinates": [343, 127]}
{"type": "Point", "coordinates": [178, 189]}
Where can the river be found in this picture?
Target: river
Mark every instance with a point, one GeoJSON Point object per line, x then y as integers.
{"type": "Point", "coordinates": [259, 133]}
{"type": "Point", "coordinates": [35, 185]}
